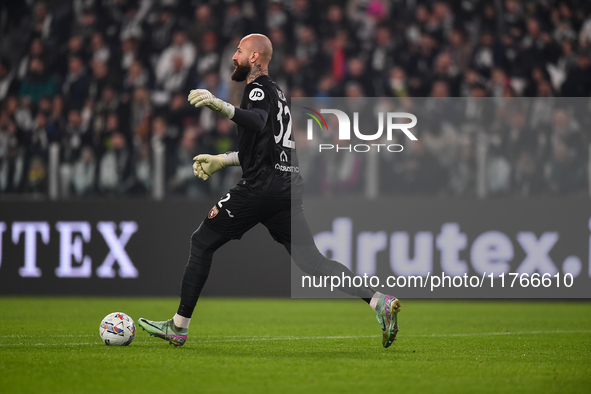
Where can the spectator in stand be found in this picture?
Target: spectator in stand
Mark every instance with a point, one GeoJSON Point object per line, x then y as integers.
{"type": "Point", "coordinates": [383, 53]}
{"type": "Point", "coordinates": [101, 77]}
{"type": "Point", "coordinates": [9, 84]}
{"type": "Point", "coordinates": [335, 21]}
{"type": "Point", "coordinates": [57, 118]}
{"type": "Point", "coordinates": [116, 168]}
{"type": "Point", "coordinates": [578, 79]}
{"type": "Point", "coordinates": [528, 179]}
{"type": "Point", "coordinates": [136, 77]}
{"type": "Point", "coordinates": [280, 51]}
{"type": "Point", "coordinates": [162, 136]}
{"type": "Point", "coordinates": [234, 23]}
{"type": "Point", "coordinates": [277, 17]}
{"type": "Point", "coordinates": [176, 78]}
{"type": "Point", "coordinates": [106, 105]}
{"type": "Point", "coordinates": [160, 32]}
{"type": "Point", "coordinates": [84, 173]}
{"type": "Point", "coordinates": [141, 113]}
{"type": "Point", "coordinates": [396, 84]}
{"type": "Point", "coordinates": [422, 173]}
{"type": "Point", "coordinates": [75, 48]}
{"type": "Point", "coordinates": [74, 136]}
{"type": "Point", "coordinates": [498, 82]}
{"type": "Point", "coordinates": [130, 24]}
{"type": "Point", "coordinates": [182, 50]}
{"type": "Point", "coordinates": [537, 46]}
{"type": "Point", "coordinates": [86, 25]}
{"type": "Point", "coordinates": [209, 57]}
{"type": "Point", "coordinates": [36, 181]}
{"type": "Point", "coordinates": [182, 180]}
{"type": "Point", "coordinates": [129, 53]}
{"type": "Point", "coordinates": [178, 114]}
{"type": "Point", "coordinates": [43, 23]}
{"type": "Point", "coordinates": [485, 56]}
{"type": "Point", "coordinates": [112, 127]}
{"type": "Point", "coordinates": [325, 87]}
{"type": "Point", "coordinates": [462, 180]}
{"type": "Point", "coordinates": [75, 86]}
{"type": "Point", "coordinates": [38, 141]}
{"type": "Point", "coordinates": [513, 15]}
{"type": "Point", "coordinates": [12, 155]}
{"type": "Point", "coordinates": [38, 82]}
{"type": "Point", "coordinates": [443, 71]}
{"type": "Point", "coordinates": [22, 113]}
{"type": "Point", "coordinates": [307, 49]}
{"type": "Point", "coordinates": [143, 170]}
{"type": "Point", "coordinates": [357, 75]}
{"type": "Point", "coordinates": [36, 51]}
{"type": "Point", "coordinates": [565, 174]}
{"type": "Point", "coordinates": [204, 21]}
{"type": "Point", "coordinates": [567, 132]}
{"type": "Point", "coordinates": [303, 15]}
{"type": "Point", "coordinates": [460, 51]}
{"type": "Point", "coordinates": [100, 51]}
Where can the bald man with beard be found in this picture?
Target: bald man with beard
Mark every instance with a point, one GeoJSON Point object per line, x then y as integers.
{"type": "Point", "coordinates": [270, 192]}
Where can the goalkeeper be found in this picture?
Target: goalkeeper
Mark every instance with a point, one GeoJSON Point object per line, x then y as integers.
{"type": "Point", "coordinates": [270, 192]}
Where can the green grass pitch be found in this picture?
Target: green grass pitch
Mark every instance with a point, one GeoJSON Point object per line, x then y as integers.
{"type": "Point", "coordinates": [52, 345]}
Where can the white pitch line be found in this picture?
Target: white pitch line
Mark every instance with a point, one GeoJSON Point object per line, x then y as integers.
{"type": "Point", "coordinates": [288, 338]}
{"type": "Point", "coordinates": [477, 334]}
{"type": "Point", "coordinates": [255, 339]}
{"type": "Point", "coordinates": [258, 339]}
{"type": "Point", "coordinates": [52, 336]}
{"type": "Point", "coordinates": [51, 344]}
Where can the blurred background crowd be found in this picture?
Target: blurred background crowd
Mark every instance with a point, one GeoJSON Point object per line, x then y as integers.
{"type": "Point", "coordinates": [105, 82]}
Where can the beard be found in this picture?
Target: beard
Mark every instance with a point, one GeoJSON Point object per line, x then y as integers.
{"type": "Point", "coordinates": [240, 72]}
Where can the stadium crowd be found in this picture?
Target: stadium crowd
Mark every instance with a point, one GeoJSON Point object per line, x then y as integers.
{"type": "Point", "coordinates": [107, 80]}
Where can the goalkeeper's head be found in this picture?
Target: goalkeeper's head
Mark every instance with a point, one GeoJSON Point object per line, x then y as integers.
{"type": "Point", "coordinates": [254, 50]}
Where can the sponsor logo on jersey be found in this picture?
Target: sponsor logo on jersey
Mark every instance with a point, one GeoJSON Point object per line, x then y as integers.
{"type": "Point", "coordinates": [283, 168]}
{"type": "Point", "coordinates": [283, 156]}
{"type": "Point", "coordinates": [213, 212]}
{"type": "Point", "coordinates": [256, 94]}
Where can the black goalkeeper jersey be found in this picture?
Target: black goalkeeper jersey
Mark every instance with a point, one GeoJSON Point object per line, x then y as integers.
{"type": "Point", "coordinates": [268, 158]}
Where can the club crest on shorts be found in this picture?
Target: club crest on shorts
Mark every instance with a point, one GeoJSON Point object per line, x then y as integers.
{"type": "Point", "coordinates": [213, 212]}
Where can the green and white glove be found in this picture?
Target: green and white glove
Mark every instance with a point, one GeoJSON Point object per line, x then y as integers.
{"type": "Point", "coordinates": [205, 165]}
{"type": "Point", "coordinates": [203, 97]}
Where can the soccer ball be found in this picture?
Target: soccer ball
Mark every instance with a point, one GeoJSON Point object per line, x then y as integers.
{"type": "Point", "coordinates": [117, 329]}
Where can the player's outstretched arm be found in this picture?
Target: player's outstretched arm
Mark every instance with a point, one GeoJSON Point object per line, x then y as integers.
{"type": "Point", "coordinates": [204, 98]}
{"type": "Point", "coordinates": [205, 165]}
{"type": "Point", "coordinates": [253, 119]}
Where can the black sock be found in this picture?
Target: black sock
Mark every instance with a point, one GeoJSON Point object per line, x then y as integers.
{"type": "Point", "coordinates": [204, 242]}
{"type": "Point", "coordinates": [185, 310]}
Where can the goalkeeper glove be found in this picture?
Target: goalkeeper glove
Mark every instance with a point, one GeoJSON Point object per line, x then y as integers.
{"type": "Point", "coordinates": [203, 97]}
{"type": "Point", "coordinates": [205, 165]}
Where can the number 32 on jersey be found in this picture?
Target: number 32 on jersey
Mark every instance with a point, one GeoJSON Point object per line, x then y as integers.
{"type": "Point", "coordinates": [285, 134]}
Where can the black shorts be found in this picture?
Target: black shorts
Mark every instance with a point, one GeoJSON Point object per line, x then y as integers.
{"type": "Point", "coordinates": [240, 210]}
